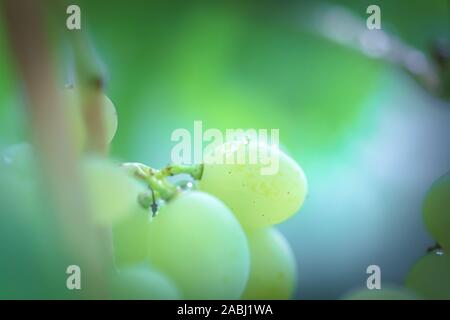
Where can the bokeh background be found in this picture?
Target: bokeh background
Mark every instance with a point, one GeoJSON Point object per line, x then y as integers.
{"type": "Point", "coordinates": [370, 138]}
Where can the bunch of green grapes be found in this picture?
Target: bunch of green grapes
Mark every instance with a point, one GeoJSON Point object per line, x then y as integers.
{"type": "Point", "coordinates": [217, 240]}
{"type": "Point", "coordinates": [430, 276]}
{"type": "Point", "coordinates": [209, 238]}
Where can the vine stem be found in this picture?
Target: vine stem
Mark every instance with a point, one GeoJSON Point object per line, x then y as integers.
{"type": "Point", "coordinates": [166, 190]}
{"type": "Point", "coordinates": [195, 171]}
{"type": "Point", "coordinates": [156, 179]}
{"type": "Point", "coordinates": [54, 146]}
{"type": "Point", "coordinates": [341, 26]}
{"type": "Point", "coordinates": [90, 82]}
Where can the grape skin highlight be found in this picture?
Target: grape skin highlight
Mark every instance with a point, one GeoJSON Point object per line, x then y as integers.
{"type": "Point", "coordinates": [198, 242]}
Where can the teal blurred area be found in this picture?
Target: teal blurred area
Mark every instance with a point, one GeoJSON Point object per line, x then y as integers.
{"type": "Point", "coordinates": [32, 260]}
{"type": "Point", "coordinates": [370, 139]}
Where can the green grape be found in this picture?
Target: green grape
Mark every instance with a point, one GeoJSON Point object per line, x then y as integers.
{"type": "Point", "coordinates": [257, 199]}
{"type": "Point", "coordinates": [273, 271]}
{"type": "Point", "coordinates": [113, 194]}
{"type": "Point", "coordinates": [130, 238]}
{"type": "Point", "coordinates": [436, 211]}
{"type": "Point", "coordinates": [196, 240]}
{"type": "Point", "coordinates": [430, 276]}
{"type": "Point", "coordinates": [385, 293]}
{"type": "Point", "coordinates": [141, 282]}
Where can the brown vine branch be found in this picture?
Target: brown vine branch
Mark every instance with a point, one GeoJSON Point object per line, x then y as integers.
{"type": "Point", "coordinates": [30, 45]}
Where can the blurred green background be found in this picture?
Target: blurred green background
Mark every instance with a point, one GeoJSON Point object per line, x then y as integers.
{"type": "Point", "coordinates": [370, 139]}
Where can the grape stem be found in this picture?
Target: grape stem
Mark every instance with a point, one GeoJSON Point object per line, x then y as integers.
{"type": "Point", "coordinates": [195, 171]}
{"type": "Point", "coordinates": [165, 189]}
{"type": "Point", "coordinates": [157, 182]}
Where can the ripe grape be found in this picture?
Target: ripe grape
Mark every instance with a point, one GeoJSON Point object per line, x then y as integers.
{"type": "Point", "coordinates": [436, 211]}
{"type": "Point", "coordinates": [385, 293]}
{"type": "Point", "coordinates": [141, 282]}
{"type": "Point", "coordinates": [256, 199]}
{"type": "Point", "coordinates": [198, 242]}
{"type": "Point", "coordinates": [130, 238]}
{"type": "Point", "coordinates": [430, 276]}
{"type": "Point", "coordinates": [273, 272]}
{"type": "Point", "coordinates": [112, 192]}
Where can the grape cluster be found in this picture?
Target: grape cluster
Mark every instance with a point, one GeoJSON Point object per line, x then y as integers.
{"type": "Point", "coordinates": [216, 240]}
{"type": "Point", "coordinates": [208, 237]}
{"type": "Point", "coordinates": [211, 236]}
